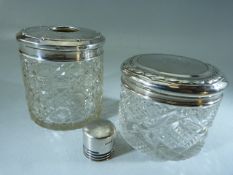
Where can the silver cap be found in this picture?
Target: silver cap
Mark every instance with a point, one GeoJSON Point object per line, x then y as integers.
{"type": "Point", "coordinates": [60, 43]}
{"type": "Point", "coordinates": [173, 79]}
{"type": "Point", "coordinates": [98, 139]}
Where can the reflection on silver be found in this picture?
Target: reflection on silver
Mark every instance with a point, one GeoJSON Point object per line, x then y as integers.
{"type": "Point", "coordinates": [98, 140]}
{"type": "Point", "coordinates": [173, 79]}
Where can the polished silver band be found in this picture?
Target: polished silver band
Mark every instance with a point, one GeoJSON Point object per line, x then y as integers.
{"type": "Point", "coordinates": [61, 56]}
{"type": "Point", "coordinates": [96, 156]}
{"type": "Point", "coordinates": [171, 97]}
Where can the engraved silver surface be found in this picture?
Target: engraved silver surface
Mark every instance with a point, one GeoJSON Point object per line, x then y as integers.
{"type": "Point", "coordinates": [173, 79]}
{"type": "Point", "coordinates": [59, 38]}
{"type": "Point", "coordinates": [163, 131]}
{"type": "Point", "coordinates": [63, 95]}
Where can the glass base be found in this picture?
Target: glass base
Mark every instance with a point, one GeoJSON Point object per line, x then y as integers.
{"type": "Point", "coordinates": [161, 152]}
{"type": "Point", "coordinates": [165, 132]}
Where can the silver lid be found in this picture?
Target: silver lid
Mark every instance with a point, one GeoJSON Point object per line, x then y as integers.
{"type": "Point", "coordinates": [98, 139]}
{"type": "Point", "coordinates": [60, 43]}
{"type": "Point", "coordinates": [173, 79]}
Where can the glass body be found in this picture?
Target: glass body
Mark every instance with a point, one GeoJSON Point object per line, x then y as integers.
{"type": "Point", "coordinates": [165, 132]}
{"type": "Point", "coordinates": [63, 95]}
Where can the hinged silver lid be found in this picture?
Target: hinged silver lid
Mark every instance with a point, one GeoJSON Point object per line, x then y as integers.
{"type": "Point", "coordinates": [173, 79]}
{"type": "Point", "coordinates": [60, 41]}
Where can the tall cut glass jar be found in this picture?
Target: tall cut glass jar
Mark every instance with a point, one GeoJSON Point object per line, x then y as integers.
{"type": "Point", "coordinates": [63, 74]}
{"type": "Point", "coordinates": [168, 103]}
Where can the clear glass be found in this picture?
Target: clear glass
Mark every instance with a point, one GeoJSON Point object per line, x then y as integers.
{"type": "Point", "coordinates": [63, 95]}
{"type": "Point", "coordinates": [165, 132]}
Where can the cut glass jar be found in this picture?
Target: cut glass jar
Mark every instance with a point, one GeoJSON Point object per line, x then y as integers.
{"type": "Point", "coordinates": [168, 103]}
{"type": "Point", "coordinates": [63, 74]}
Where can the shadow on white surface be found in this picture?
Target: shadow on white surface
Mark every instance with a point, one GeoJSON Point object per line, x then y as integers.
{"type": "Point", "coordinates": [110, 107]}
{"type": "Point", "coordinates": [121, 147]}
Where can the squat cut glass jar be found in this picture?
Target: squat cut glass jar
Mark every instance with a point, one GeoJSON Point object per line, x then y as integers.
{"type": "Point", "coordinates": [63, 74]}
{"type": "Point", "coordinates": [168, 103]}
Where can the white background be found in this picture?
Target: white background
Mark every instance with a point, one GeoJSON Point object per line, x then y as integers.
{"type": "Point", "coordinates": [199, 29]}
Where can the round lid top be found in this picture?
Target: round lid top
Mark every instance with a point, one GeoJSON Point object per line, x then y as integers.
{"type": "Point", "coordinates": [172, 75]}
{"type": "Point", "coordinates": [65, 37]}
{"type": "Point", "coordinates": [99, 129]}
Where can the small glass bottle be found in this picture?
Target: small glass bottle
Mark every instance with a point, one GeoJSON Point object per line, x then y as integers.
{"type": "Point", "coordinates": [168, 103]}
{"type": "Point", "coordinates": [63, 74]}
